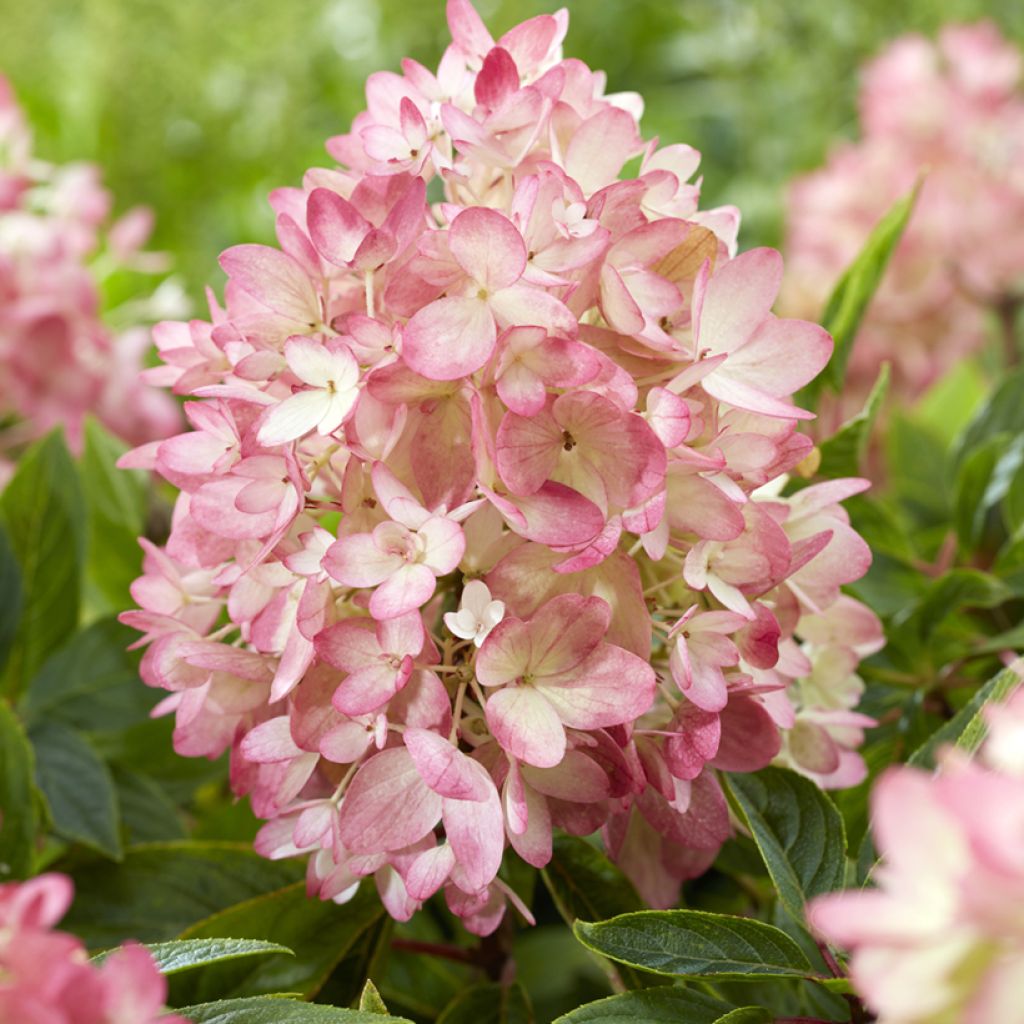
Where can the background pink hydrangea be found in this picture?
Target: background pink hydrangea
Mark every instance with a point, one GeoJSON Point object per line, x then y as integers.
{"type": "Point", "coordinates": [483, 526]}
{"type": "Point", "coordinates": [952, 111]}
{"type": "Point", "coordinates": [46, 976]}
{"type": "Point", "coordinates": [59, 359]}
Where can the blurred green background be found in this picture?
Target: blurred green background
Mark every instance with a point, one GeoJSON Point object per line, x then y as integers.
{"type": "Point", "coordinates": [198, 108]}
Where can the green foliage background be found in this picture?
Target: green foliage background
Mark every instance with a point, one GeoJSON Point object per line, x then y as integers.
{"type": "Point", "coordinates": [198, 109]}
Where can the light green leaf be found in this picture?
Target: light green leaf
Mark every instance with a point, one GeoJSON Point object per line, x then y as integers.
{"type": "Point", "coordinates": [695, 944]}
{"type": "Point", "coordinates": [843, 453]}
{"type": "Point", "coordinates": [665, 1005]}
{"type": "Point", "coordinates": [489, 1004]}
{"type": "Point", "coordinates": [41, 509]}
{"type": "Point", "coordinates": [19, 811]}
{"type": "Point", "coordinates": [159, 889]}
{"type": "Point", "coordinates": [370, 999]}
{"type": "Point", "coordinates": [116, 500]}
{"type": "Point", "coordinates": [966, 729]}
{"type": "Point", "coordinates": [1003, 413]}
{"type": "Point", "coordinates": [797, 829]}
{"type": "Point", "coordinates": [186, 954]}
{"type": "Point", "coordinates": [78, 788]}
{"type": "Point", "coordinates": [855, 289]}
{"type": "Point", "coordinates": [91, 683]}
{"type": "Point", "coordinates": [319, 932]}
{"type": "Point", "coordinates": [268, 1010]}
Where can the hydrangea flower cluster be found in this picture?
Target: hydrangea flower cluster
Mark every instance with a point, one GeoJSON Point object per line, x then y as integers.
{"type": "Point", "coordinates": [482, 528]}
{"type": "Point", "coordinates": [942, 937]}
{"type": "Point", "coordinates": [59, 359]}
{"type": "Point", "coordinates": [955, 112]}
{"type": "Point", "coordinates": [46, 976]}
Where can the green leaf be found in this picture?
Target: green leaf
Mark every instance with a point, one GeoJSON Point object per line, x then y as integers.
{"type": "Point", "coordinates": [984, 477]}
{"type": "Point", "coordinates": [186, 954]}
{"type": "Point", "coordinates": [78, 788]}
{"type": "Point", "coordinates": [664, 1005]}
{"type": "Point", "coordinates": [319, 932]}
{"type": "Point", "coordinates": [966, 729]}
{"type": "Point", "coordinates": [19, 812]}
{"type": "Point", "coordinates": [1013, 504]}
{"type": "Point", "coordinates": [148, 815]}
{"type": "Point", "coordinates": [370, 1000]}
{"type": "Point", "coordinates": [857, 286]}
{"type": "Point", "coordinates": [843, 453]}
{"type": "Point", "coordinates": [956, 590]}
{"type": "Point", "coordinates": [695, 944]}
{"type": "Point", "coordinates": [1003, 413]}
{"type": "Point", "coordinates": [585, 884]}
{"type": "Point", "coordinates": [116, 500]}
{"type": "Point", "coordinates": [91, 683]}
{"type": "Point", "coordinates": [270, 1010]}
{"type": "Point", "coordinates": [797, 829]}
{"type": "Point", "coordinates": [160, 889]}
{"type": "Point", "coordinates": [41, 509]}
{"type": "Point", "coordinates": [489, 1004]}
{"type": "Point", "coordinates": [747, 1015]}
{"type": "Point", "coordinates": [10, 597]}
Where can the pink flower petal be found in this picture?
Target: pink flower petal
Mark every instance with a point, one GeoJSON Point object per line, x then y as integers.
{"type": "Point", "coordinates": [450, 338]}
{"type": "Point", "coordinates": [526, 725]}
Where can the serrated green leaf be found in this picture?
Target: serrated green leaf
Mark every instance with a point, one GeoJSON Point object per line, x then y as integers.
{"type": "Point", "coordinates": [855, 289]}
{"type": "Point", "coordinates": [966, 729]}
{"type": "Point", "coordinates": [160, 889]}
{"type": "Point", "coordinates": [78, 788]}
{"type": "Point", "coordinates": [695, 944]}
{"type": "Point", "coordinates": [489, 1004]}
{"type": "Point", "coordinates": [270, 1010]}
{"type": "Point", "coordinates": [10, 597]}
{"type": "Point", "coordinates": [116, 501]}
{"type": "Point", "coordinates": [186, 954]}
{"type": "Point", "coordinates": [41, 510]}
{"type": "Point", "coordinates": [797, 829]}
{"type": "Point", "coordinates": [19, 813]}
{"type": "Point", "coordinates": [319, 933]}
{"type": "Point", "coordinates": [843, 453]}
{"type": "Point", "coordinates": [91, 683]}
{"type": "Point", "coordinates": [666, 1005]}
{"type": "Point", "coordinates": [370, 1000]}
{"type": "Point", "coordinates": [148, 815]}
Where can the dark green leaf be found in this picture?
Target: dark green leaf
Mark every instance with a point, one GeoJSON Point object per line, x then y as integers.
{"type": "Point", "coordinates": [78, 788]}
{"type": "Point", "coordinates": [983, 479]}
{"type": "Point", "coordinates": [843, 453]}
{"type": "Point", "coordinates": [319, 932]}
{"type": "Point", "coordinates": [694, 944]}
{"type": "Point", "coordinates": [19, 812]}
{"type": "Point", "coordinates": [585, 884]}
{"type": "Point", "coordinates": [116, 500]}
{"type": "Point", "coordinates": [1003, 413]}
{"type": "Point", "coordinates": [1013, 504]}
{"type": "Point", "coordinates": [956, 590]}
{"type": "Point", "coordinates": [91, 683]}
{"type": "Point", "coordinates": [798, 830]}
{"type": "Point", "coordinates": [664, 1005]}
{"type": "Point", "coordinates": [148, 815]}
{"type": "Point", "coordinates": [10, 597]}
{"type": "Point", "coordinates": [857, 286]}
{"type": "Point", "coordinates": [268, 1010]}
{"type": "Point", "coordinates": [489, 1004]}
{"type": "Point", "coordinates": [747, 1015]}
{"type": "Point", "coordinates": [370, 1000]}
{"type": "Point", "coordinates": [41, 509]}
{"type": "Point", "coordinates": [966, 729]}
{"type": "Point", "coordinates": [186, 954]}
{"type": "Point", "coordinates": [158, 890]}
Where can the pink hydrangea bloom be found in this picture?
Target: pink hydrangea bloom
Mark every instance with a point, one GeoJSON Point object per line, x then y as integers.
{"type": "Point", "coordinates": [941, 938]}
{"type": "Point", "coordinates": [46, 976]}
{"type": "Point", "coordinates": [58, 359]}
{"type": "Point", "coordinates": [481, 529]}
{"type": "Point", "coordinates": [953, 111]}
